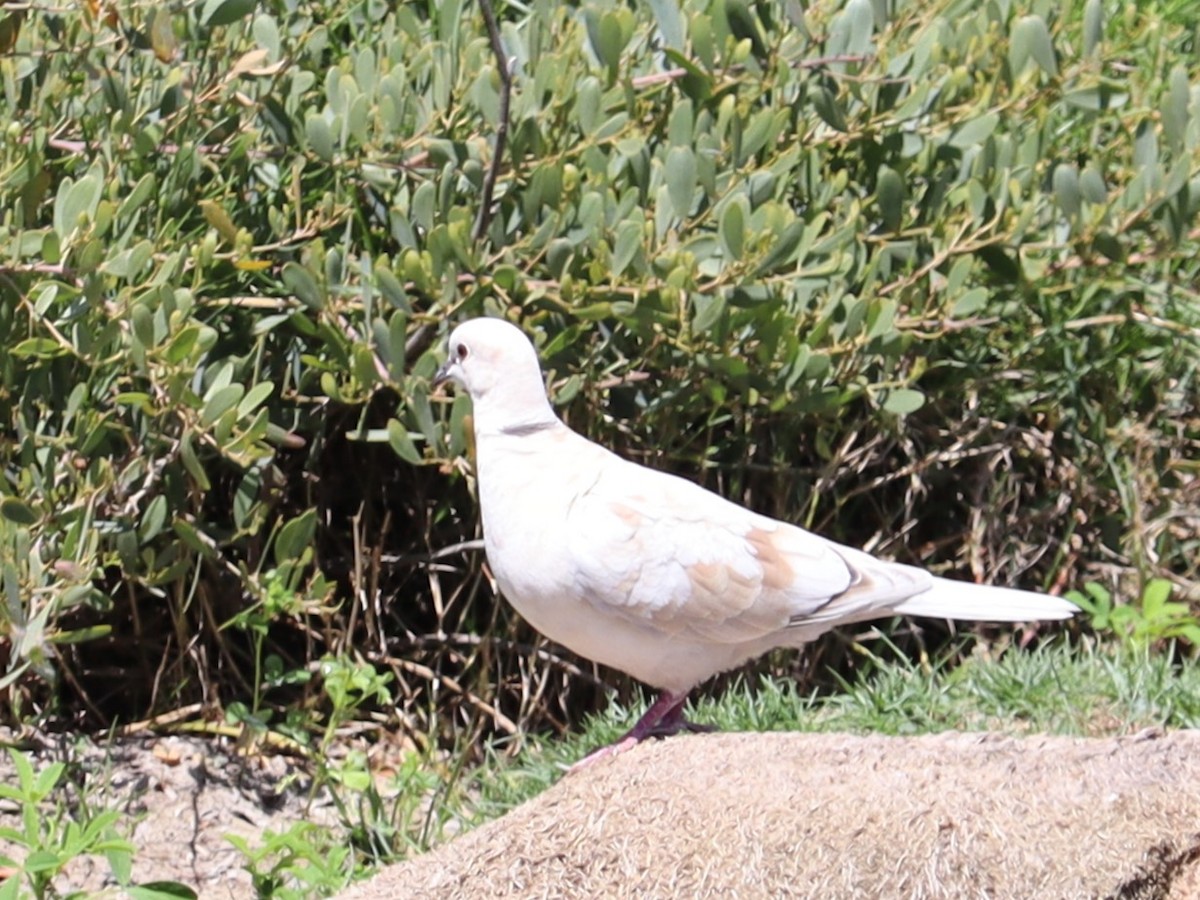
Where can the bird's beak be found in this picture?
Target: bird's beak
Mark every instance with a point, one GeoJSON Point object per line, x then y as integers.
{"type": "Point", "coordinates": [442, 375]}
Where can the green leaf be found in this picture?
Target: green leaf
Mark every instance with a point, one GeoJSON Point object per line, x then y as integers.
{"type": "Point", "coordinates": [1175, 114]}
{"type": "Point", "coordinates": [587, 105]}
{"type": "Point", "coordinates": [301, 282]}
{"type": "Point", "coordinates": [77, 200]}
{"type": "Point", "coordinates": [1093, 26]}
{"type": "Point", "coordinates": [828, 109]}
{"type": "Point", "coordinates": [181, 346]}
{"type": "Point", "coordinates": [970, 303]}
{"type": "Point", "coordinates": [1066, 189]}
{"type": "Point", "coordinates": [295, 536]}
{"type": "Point", "coordinates": [391, 288]}
{"type": "Point", "coordinates": [191, 462]}
{"type": "Point", "coordinates": [216, 216]}
{"type": "Point", "coordinates": [881, 320]}
{"type": "Point", "coordinates": [196, 539]}
{"type": "Point", "coordinates": [319, 135]}
{"type": "Point", "coordinates": [681, 125]}
{"type": "Point", "coordinates": [974, 132]}
{"type": "Point", "coordinates": [266, 34]}
{"type": "Point", "coordinates": [901, 401]}
{"type": "Point", "coordinates": [670, 23]}
{"type": "Point", "coordinates": [629, 241]}
{"type": "Point", "coordinates": [1096, 99]}
{"type": "Point", "coordinates": [1092, 186]}
{"type": "Point", "coordinates": [402, 443]}
{"type": "Point", "coordinates": [254, 398]}
{"type": "Point", "coordinates": [696, 83]}
{"type": "Point", "coordinates": [1155, 595]}
{"type": "Point", "coordinates": [38, 348]}
{"type": "Point", "coordinates": [130, 263]}
{"type": "Point", "coordinates": [154, 518]}
{"type": "Point", "coordinates": [219, 402]}
{"type": "Point", "coordinates": [143, 325]}
{"type": "Point", "coordinates": [709, 309]}
{"type": "Point", "coordinates": [141, 192]}
{"type": "Point", "coordinates": [604, 35]}
{"type": "Point", "coordinates": [1145, 146]}
{"type": "Point", "coordinates": [743, 24]}
{"type": "Point", "coordinates": [857, 21]}
{"type": "Point", "coordinates": [1030, 39]}
{"type": "Point", "coordinates": [890, 194]}
{"type": "Point", "coordinates": [733, 230]}
{"type": "Point", "coordinates": [225, 12]}
{"type": "Point", "coordinates": [681, 180]}
{"type": "Point", "coordinates": [783, 251]}
{"type": "Point", "coordinates": [18, 511]}
{"type": "Point", "coordinates": [25, 776]}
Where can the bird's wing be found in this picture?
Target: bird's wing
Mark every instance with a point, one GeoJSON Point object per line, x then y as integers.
{"type": "Point", "coordinates": [666, 553]}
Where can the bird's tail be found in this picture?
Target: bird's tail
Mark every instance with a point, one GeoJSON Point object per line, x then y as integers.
{"type": "Point", "coordinates": [948, 599]}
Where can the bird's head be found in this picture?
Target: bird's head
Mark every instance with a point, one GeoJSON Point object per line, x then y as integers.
{"type": "Point", "coordinates": [497, 365]}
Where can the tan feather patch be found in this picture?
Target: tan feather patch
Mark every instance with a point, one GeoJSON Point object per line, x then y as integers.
{"type": "Point", "coordinates": [778, 574]}
{"type": "Point", "coordinates": [719, 591]}
{"type": "Point", "coordinates": [628, 515]}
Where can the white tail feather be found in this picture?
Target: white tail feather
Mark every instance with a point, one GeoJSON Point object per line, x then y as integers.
{"type": "Point", "coordinates": [948, 599]}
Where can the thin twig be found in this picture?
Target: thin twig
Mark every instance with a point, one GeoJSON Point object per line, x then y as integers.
{"type": "Point", "coordinates": [489, 182]}
{"type": "Point", "coordinates": [503, 722]}
{"type": "Point", "coordinates": [407, 559]}
{"type": "Point", "coordinates": [670, 75]}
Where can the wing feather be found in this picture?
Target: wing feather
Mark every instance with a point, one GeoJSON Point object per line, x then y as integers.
{"type": "Point", "coordinates": [666, 553]}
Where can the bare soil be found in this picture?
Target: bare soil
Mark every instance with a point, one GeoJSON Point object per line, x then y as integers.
{"type": "Point", "coordinates": [182, 797]}
{"type": "Point", "coordinates": [829, 816]}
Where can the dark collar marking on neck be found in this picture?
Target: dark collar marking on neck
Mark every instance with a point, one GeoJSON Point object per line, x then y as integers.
{"type": "Point", "coordinates": [528, 428]}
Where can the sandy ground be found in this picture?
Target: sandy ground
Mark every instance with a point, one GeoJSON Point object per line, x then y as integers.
{"type": "Point", "coordinates": [831, 816]}
{"type": "Point", "coordinates": [180, 798]}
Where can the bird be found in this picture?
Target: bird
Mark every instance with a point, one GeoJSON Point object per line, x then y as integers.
{"type": "Point", "coordinates": [650, 573]}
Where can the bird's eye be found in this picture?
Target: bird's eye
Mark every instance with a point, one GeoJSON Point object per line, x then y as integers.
{"type": "Point", "coordinates": [461, 351]}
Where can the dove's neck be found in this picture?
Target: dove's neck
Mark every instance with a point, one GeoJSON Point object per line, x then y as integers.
{"type": "Point", "coordinates": [513, 408]}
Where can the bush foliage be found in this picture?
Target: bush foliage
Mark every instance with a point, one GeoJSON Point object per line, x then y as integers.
{"type": "Point", "coordinates": [919, 275]}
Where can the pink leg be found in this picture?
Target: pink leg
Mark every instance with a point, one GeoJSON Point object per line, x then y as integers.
{"type": "Point", "coordinates": [664, 717]}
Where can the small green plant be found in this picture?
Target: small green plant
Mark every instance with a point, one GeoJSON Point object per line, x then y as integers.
{"type": "Point", "coordinates": [305, 861]}
{"type": "Point", "coordinates": [377, 823]}
{"type": "Point", "coordinates": [1155, 620]}
{"type": "Point", "coordinates": [52, 839]}
{"type": "Point", "coordinates": [351, 684]}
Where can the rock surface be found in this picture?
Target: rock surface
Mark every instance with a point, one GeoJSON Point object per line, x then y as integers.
{"type": "Point", "coordinates": [833, 815]}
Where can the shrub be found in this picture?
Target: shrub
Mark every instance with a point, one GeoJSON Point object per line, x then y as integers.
{"type": "Point", "coordinates": [918, 275]}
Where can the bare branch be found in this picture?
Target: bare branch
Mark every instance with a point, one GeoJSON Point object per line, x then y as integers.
{"type": "Point", "coordinates": [489, 181]}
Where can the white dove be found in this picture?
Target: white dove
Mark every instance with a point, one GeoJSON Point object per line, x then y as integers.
{"type": "Point", "coordinates": [649, 573]}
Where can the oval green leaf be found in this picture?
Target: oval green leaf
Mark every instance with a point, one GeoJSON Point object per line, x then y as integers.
{"type": "Point", "coordinates": [1066, 189]}
{"type": "Point", "coordinates": [903, 401]}
{"type": "Point", "coordinates": [220, 402]}
{"type": "Point", "coordinates": [890, 194]}
{"type": "Point", "coordinates": [18, 511]}
{"type": "Point", "coordinates": [399, 438]}
{"type": "Point", "coordinates": [733, 231]}
{"type": "Point", "coordinates": [681, 180]}
{"type": "Point", "coordinates": [225, 12]}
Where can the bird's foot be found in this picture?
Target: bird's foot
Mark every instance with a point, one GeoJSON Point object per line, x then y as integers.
{"type": "Point", "coordinates": [663, 718]}
{"type": "Point", "coordinates": [666, 729]}
{"type": "Point", "coordinates": [614, 749]}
